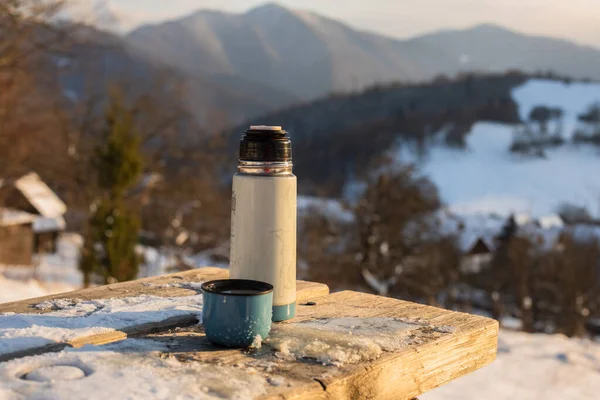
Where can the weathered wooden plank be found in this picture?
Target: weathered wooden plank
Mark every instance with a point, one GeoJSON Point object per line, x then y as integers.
{"type": "Point", "coordinates": [471, 344]}
{"type": "Point", "coordinates": [456, 345]}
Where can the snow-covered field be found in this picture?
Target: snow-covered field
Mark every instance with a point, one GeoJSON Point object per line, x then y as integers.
{"type": "Point", "coordinates": [14, 290]}
{"type": "Point", "coordinates": [532, 367]}
{"type": "Point", "coordinates": [486, 178]}
{"type": "Point", "coordinates": [573, 99]}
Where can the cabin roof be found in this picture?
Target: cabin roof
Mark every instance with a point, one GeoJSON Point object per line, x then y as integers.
{"type": "Point", "coordinates": [41, 197]}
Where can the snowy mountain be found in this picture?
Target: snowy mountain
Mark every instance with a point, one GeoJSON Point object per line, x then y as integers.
{"type": "Point", "coordinates": [103, 14]}
{"type": "Point", "coordinates": [310, 55]}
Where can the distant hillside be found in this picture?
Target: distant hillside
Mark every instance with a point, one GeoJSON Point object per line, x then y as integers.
{"type": "Point", "coordinates": [489, 178]}
{"type": "Point", "coordinates": [461, 135]}
{"type": "Point", "coordinates": [338, 137]}
{"type": "Point", "coordinates": [98, 58]}
{"type": "Point", "coordinates": [310, 56]}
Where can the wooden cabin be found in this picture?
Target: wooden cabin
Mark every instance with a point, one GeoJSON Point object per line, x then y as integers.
{"type": "Point", "coordinates": [31, 195]}
{"type": "Point", "coordinates": [16, 238]}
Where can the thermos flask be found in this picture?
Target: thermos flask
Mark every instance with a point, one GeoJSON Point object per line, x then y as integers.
{"type": "Point", "coordinates": [263, 216]}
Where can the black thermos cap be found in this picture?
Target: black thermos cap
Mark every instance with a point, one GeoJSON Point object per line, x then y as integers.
{"type": "Point", "coordinates": [265, 144]}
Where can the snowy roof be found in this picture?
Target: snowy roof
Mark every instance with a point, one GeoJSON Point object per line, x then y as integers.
{"type": "Point", "coordinates": [41, 197]}
{"type": "Point", "coordinates": [328, 207]}
{"type": "Point", "coordinates": [43, 224]}
{"type": "Point", "coordinates": [551, 221]}
{"type": "Point", "coordinates": [10, 217]}
{"type": "Point", "coordinates": [474, 227]}
{"type": "Point", "coordinates": [523, 219]}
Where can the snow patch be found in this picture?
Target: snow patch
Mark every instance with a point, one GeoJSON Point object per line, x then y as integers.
{"type": "Point", "coordinates": [55, 224]}
{"type": "Point", "coordinates": [331, 208]}
{"type": "Point", "coordinates": [341, 341]}
{"type": "Point", "coordinates": [257, 342]}
{"type": "Point", "coordinates": [73, 318]}
{"type": "Point", "coordinates": [55, 373]}
{"type": "Point", "coordinates": [15, 290]}
{"type": "Point", "coordinates": [123, 369]}
{"type": "Point", "coordinates": [531, 367]}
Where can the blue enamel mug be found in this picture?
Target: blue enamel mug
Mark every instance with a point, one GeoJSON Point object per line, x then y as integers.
{"type": "Point", "coordinates": [235, 311]}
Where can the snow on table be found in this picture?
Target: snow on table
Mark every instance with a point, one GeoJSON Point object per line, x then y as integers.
{"type": "Point", "coordinates": [104, 314]}
{"type": "Point", "coordinates": [131, 369]}
{"type": "Point", "coordinates": [74, 318]}
{"type": "Point", "coordinates": [347, 344]}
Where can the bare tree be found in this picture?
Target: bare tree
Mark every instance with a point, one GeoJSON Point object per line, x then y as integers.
{"type": "Point", "coordinates": [27, 36]}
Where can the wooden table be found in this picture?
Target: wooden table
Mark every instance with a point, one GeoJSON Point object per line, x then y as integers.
{"type": "Point", "coordinates": [442, 345]}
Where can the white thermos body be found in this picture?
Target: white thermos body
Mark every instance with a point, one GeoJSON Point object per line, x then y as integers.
{"type": "Point", "coordinates": [263, 216]}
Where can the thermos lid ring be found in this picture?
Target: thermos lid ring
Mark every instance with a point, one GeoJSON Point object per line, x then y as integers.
{"type": "Point", "coordinates": [264, 143]}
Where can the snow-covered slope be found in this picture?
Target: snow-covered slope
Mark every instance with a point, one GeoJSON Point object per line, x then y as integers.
{"type": "Point", "coordinates": [487, 178]}
{"type": "Point", "coordinates": [573, 98]}
{"type": "Point", "coordinates": [531, 367]}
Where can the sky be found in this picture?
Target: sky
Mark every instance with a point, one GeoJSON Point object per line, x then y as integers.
{"type": "Point", "coordinates": [577, 20]}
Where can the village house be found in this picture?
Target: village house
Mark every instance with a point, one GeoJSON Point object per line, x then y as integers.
{"type": "Point", "coordinates": [29, 194]}
{"type": "Point", "coordinates": [16, 237]}
{"type": "Point", "coordinates": [477, 252]}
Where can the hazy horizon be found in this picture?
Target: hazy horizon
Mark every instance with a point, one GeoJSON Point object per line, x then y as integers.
{"type": "Point", "coordinates": [576, 21]}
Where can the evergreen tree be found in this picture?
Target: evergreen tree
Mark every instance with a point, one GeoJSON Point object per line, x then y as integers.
{"type": "Point", "coordinates": [109, 251]}
{"type": "Point", "coordinates": [509, 230]}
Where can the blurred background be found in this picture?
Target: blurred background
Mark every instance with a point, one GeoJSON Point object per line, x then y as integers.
{"type": "Point", "coordinates": [447, 151]}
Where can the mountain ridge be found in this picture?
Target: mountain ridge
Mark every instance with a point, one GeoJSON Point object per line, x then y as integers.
{"type": "Point", "coordinates": [310, 56]}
